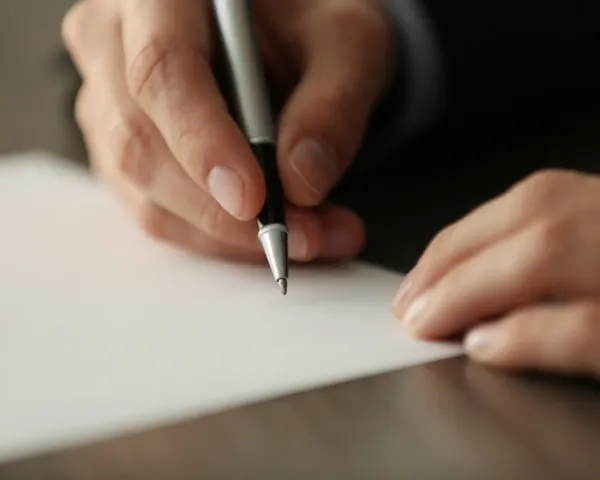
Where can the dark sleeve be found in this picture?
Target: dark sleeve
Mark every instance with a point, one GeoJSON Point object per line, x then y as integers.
{"type": "Point", "coordinates": [507, 56]}
{"type": "Point", "coordinates": [506, 68]}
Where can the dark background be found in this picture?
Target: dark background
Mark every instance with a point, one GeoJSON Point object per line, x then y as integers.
{"type": "Point", "coordinates": [497, 131]}
{"type": "Point", "coordinates": [449, 419]}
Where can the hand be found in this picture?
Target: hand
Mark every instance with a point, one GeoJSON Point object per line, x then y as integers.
{"type": "Point", "coordinates": [158, 130]}
{"type": "Point", "coordinates": [521, 275]}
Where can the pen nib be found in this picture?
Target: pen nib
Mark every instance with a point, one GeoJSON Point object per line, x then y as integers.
{"type": "Point", "coordinates": [282, 285]}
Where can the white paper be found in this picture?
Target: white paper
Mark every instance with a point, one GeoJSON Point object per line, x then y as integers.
{"type": "Point", "coordinates": [104, 331]}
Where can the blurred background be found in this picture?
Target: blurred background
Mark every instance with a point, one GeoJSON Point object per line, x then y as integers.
{"type": "Point", "coordinates": [37, 88]}
{"type": "Point", "coordinates": [488, 153]}
{"type": "Point", "coordinates": [36, 81]}
{"type": "Point", "coordinates": [38, 85]}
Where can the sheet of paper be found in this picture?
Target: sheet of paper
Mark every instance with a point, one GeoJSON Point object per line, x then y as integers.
{"type": "Point", "coordinates": [104, 331]}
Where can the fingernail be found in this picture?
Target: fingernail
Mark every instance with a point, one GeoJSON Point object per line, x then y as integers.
{"type": "Point", "coordinates": [480, 340]}
{"type": "Point", "coordinates": [298, 242]}
{"type": "Point", "coordinates": [402, 292]}
{"type": "Point", "coordinates": [227, 188]}
{"type": "Point", "coordinates": [316, 164]}
{"type": "Point", "coordinates": [338, 242]}
{"type": "Point", "coordinates": [414, 313]}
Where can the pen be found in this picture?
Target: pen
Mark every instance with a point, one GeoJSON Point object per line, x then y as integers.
{"type": "Point", "coordinates": [234, 21]}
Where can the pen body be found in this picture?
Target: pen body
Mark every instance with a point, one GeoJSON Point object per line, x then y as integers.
{"type": "Point", "coordinates": [273, 209]}
{"type": "Point", "coordinates": [234, 18]}
{"type": "Point", "coordinates": [253, 109]}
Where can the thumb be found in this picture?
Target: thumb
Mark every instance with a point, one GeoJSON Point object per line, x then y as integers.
{"type": "Point", "coordinates": [346, 52]}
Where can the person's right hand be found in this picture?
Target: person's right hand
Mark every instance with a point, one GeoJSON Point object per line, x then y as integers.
{"type": "Point", "coordinates": [157, 129]}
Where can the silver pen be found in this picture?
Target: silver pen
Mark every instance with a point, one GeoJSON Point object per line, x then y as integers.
{"type": "Point", "coordinates": [234, 21]}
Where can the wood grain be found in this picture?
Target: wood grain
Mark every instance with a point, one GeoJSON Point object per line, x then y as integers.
{"type": "Point", "coordinates": [433, 421]}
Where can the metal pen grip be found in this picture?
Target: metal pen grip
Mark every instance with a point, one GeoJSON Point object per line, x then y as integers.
{"type": "Point", "coordinates": [236, 26]}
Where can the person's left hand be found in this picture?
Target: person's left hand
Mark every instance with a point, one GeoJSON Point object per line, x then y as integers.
{"type": "Point", "coordinates": [520, 275]}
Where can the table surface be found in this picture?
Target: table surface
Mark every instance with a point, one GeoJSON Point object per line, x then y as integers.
{"type": "Point", "coordinates": [447, 419]}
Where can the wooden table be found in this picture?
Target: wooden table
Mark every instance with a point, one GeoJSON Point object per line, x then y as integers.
{"type": "Point", "coordinates": [448, 419]}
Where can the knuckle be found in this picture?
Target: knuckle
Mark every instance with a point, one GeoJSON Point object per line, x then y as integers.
{"type": "Point", "coordinates": [364, 22]}
{"type": "Point", "coordinates": [81, 107]}
{"type": "Point", "coordinates": [544, 188]}
{"type": "Point", "coordinates": [74, 22]}
{"type": "Point", "coordinates": [345, 105]}
{"type": "Point", "coordinates": [129, 140]}
{"type": "Point", "coordinates": [154, 220]}
{"type": "Point", "coordinates": [438, 253]}
{"type": "Point", "coordinates": [442, 242]}
{"type": "Point", "coordinates": [152, 67]}
{"type": "Point", "coordinates": [213, 219]}
{"type": "Point", "coordinates": [365, 31]}
{"type": "Point", "coordinates": [552, 236]}
{"type": "Point", "coordinates": [582, 333]}
{"type": "Point", "coordinates": [216, 223]}
{"type": "Point", "coordinates": [196, 137]}
{"type": "Point", "coordinates": [549, 245]}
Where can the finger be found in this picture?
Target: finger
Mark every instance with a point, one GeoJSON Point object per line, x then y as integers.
{"type": "Point", "coordinates": [343, 232]}
{"type": "Point", "coordinates": [157, 222]}
{"type": "Point", "coordinates": [83, 30]}
{"type": "Point", "coordinates": [137, 151]}
{"type": "Point", "coordinates": [323, 123]}
{"type": "Point", "coordinates": [544, 193]}
{"type": "Point", "coordinates": [170, 190]}
{"type": "Point", "coordinates": [167, 45]}
{"type": "Point", "coordinates": [561, 338]}
{"type": "Point", "coordinates": [558, 259]}
{"type": "Point", "coordinates": [162, 225]}
{"type": "Point", "coordinates": [333, 232]}
{"type": "Point", "coordinates": [133, 149]}
{"type": "Point", "coordinates": [166, 227]}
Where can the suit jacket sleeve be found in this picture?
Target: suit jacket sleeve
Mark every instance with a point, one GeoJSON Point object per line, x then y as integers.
{"type": "Point", "coordinates": [503, 56]}
{"type": "Point", "coordinates": [468, 63]}
{"type": "Point", "coordinates": [413, 100]}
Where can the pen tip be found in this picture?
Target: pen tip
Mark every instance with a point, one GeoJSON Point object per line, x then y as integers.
{"type": "Point", "coordinates": [282, 285]}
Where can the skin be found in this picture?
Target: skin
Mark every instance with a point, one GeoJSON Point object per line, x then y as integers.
{"type": "Point", "coordinates": [520, 276]}
{"type": "Point", "coordinates": [158, 131]}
